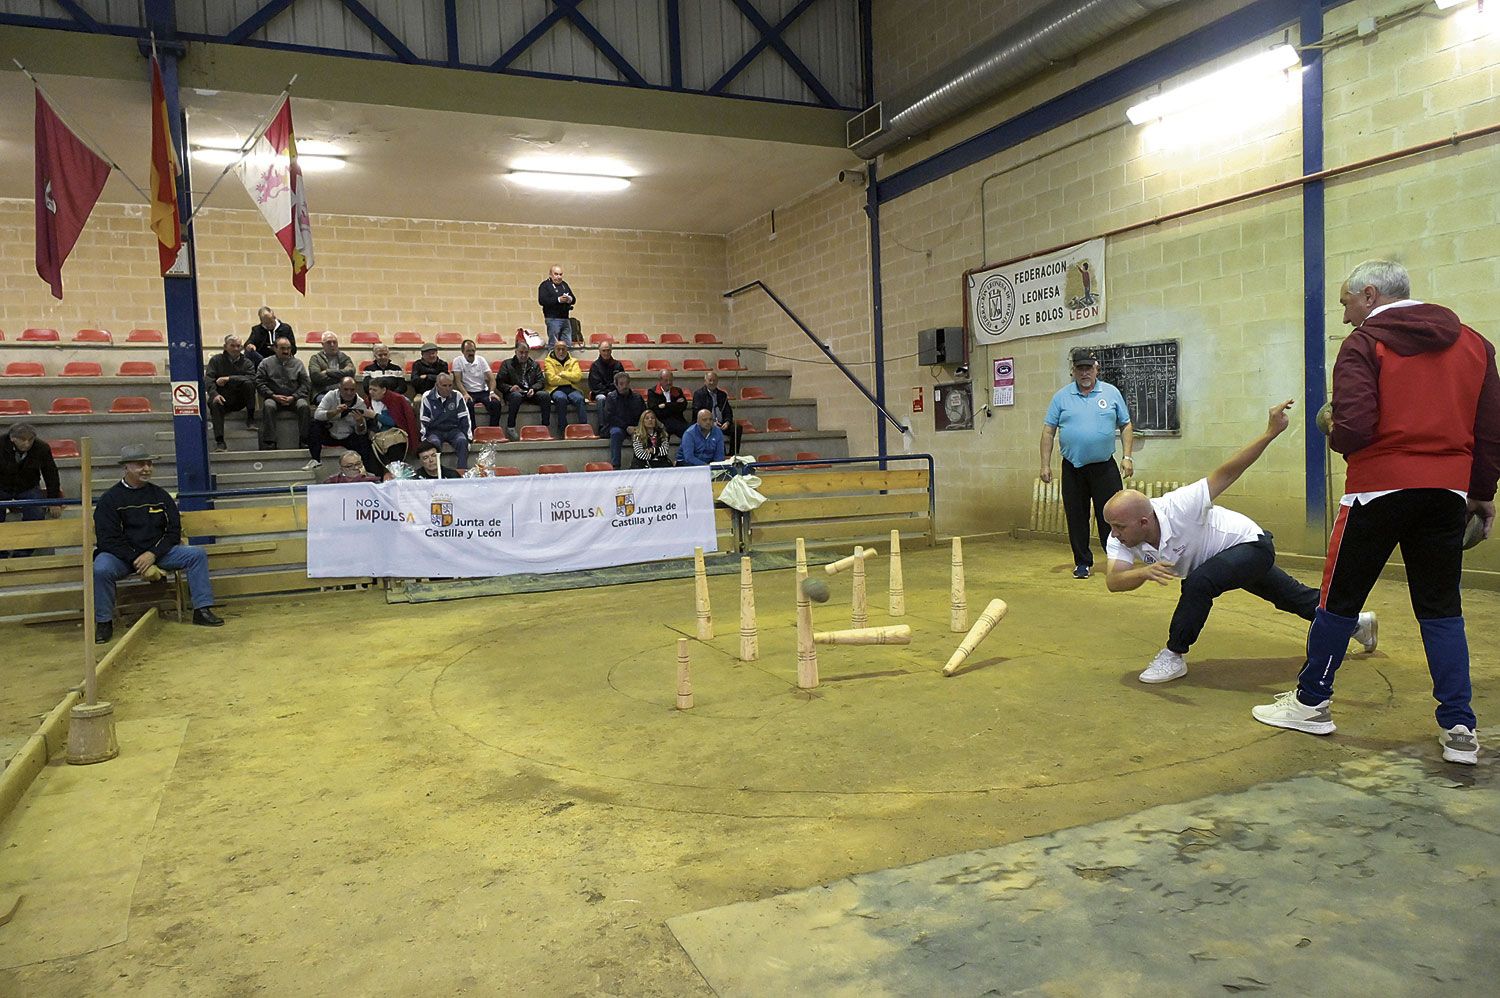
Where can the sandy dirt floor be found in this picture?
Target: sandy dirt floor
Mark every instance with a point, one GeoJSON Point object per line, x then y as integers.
{"type": "Point", "coordinates": [496, 796]}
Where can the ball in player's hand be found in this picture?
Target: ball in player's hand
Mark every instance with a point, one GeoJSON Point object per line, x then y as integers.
{"type": "Point", "coordinates": [1473, 530]}
{"type": "Point", "coordinates": [1324, 418]}
{"type": "Point", "coordinates": [815, 590]}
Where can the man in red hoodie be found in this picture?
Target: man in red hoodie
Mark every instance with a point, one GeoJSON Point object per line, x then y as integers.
{"type": "Point", "coordinates": [1416, 412]}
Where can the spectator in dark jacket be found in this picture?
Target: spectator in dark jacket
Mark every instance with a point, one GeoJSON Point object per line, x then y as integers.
{"type": "Point", "coordinates": [425, 371]}
{"type": "Point", "coordinates": [520, 381]}
{"type": "Point", "coordinates": [25, 462]}
{"type": "Point", "coordinates": [261, 342]}
{"type": "Point", "coordinates": [138, 532]}
{"type": "Point", "coordinates": [716, 401]}
{"type": "Point", "coordinates": [602, 378]}
{"type": "Point", "coordinates": [669, 403]}
{"type": "Point", "coordinates": [557, 300]}
{"type": "Point", "coordinates": [229, 386]}
{"type": "Point", "coordinates": [619, 414]}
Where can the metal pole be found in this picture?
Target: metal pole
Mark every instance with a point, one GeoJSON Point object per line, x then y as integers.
{"type": "Point", "coordinates": [86, 500]}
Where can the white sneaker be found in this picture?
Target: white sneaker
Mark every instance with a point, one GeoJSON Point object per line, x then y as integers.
{"type": "Point", "coordinates": [312, 465]}
{"type": "Point", "coordinates": [1368, 631]}
{"type": "Point", "coordinates": [1460, 745]}
{"type": "Point", "coordinates": [1289, 712]}
{"type": "Point", "coordinates": [1165, 667]}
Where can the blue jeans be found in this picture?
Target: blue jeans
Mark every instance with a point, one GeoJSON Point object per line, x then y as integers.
{"type": "Point", "coordinates": [457, 438]}
{"type": "Point", "coordinates": [27, 513]}
{"type": "Point", "coordinates": [617, 435]}
{"type": "Point", "coordinates": [558, 328]}
{"type": "Point", "coordinates": [108, 570]}
{"type": "Point", "coordinates": [562, 398]}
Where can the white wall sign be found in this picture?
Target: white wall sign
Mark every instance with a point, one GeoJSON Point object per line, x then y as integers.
{"type": "Point", "coordinates": [1055, 293]}
{"type": "Point", "coordinates": [479, 527]}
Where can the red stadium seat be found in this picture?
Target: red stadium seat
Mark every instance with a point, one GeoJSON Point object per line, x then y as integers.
{"type": "Point", "coordinates": [598, 338]}
{"type": "Point", "coordinates": [552, 469]}
{"type": "Point", "coordinates": [495, 366]}
{"type": "Point", "coordinates": [409, 366]}
{"type": "Point", "coordinates": [778, 424]}
{"type": "Point", "coordinates": [40, 336]}
{"type": "Point", "coordinates": [365, 337]}
{"type": "Point", "coordinates": [25, 369]}
{"type": "Point", "coordinates": [145, 336]}
{"type": "Point", "coordinates": [628, 365]}
{"type": "Point", "coordinates": [490, 338]}
{"type": "Point", "coordinates": [15, 407]}
{"type": "Point", "coordinates": [82, 369]}
{"type": "Point", "coordinates": [598, 466]}
{"type": "Point", "coordinates": [138, 369]}
{"type": "Point", "coordinates": [746, 426]}
{"type": "Point", "coordinates": [767, 458]}
{"type": "Point", "coordinates": [676, 338]}
{"type": "Point", "coordinates": [754, 393]}
{"type": "Point", "coordinates": [504, 471]}
{"type": "Point", "coordinates": [63, 448]}
{"type": "Point", "coordinates": [641, 392]}
{"type": "Point", "coordinates": [449, 339]}
{"type": "Point", "coordinates": [490, 434]}
{"type": "Point", "coordinates": [70, 406]}
{"type": "Point", "coordinates": [732, 364]}
{"type": "Point", "coordinates": [584, 365]}
{"type": "Point", "coordinates": [579, 431]}
{"type": "Point", "coordinates": [130, 403]}
{"type": "Point", "coordinates": [659, 365]}
{"type": "Point", "coordinates": [694, 364]}
{"type": "Point", "coordinates": [705, 338]}
{"type": "Point", "coordinates": [408, 338]}
{"type": "Point", "coordinates": [807, 455]}
{"type": "Point", "coordinates": [536, 433]}
{"type": "Point", "coordinates": [637, 338]}
{"type": "Point", "coordinates": [364, 365]}
{"type": "Point", "coordinates": [314, 339]}
{"type": "Point", "coordinates": [2, 336]}
{"type": "Point", "coordinates": [93, 336]}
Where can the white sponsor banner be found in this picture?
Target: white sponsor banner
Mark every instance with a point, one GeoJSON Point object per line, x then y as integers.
{"type": "Point", "coordinates": [1055, 293]}
{"type": "Point", "coordinates": [477, 527]}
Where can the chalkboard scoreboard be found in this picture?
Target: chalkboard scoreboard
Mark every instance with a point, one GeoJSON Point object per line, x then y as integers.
{"type": "Point", "coordinates": [1146, 374]}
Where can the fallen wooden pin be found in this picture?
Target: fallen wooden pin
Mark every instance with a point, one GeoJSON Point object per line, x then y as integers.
{"type": "Point", "coordinates": [987, 620]}
{"type": "Point", "coordinates": [899, 634]}
{"type": "Point", "coordinates": [843, 564]}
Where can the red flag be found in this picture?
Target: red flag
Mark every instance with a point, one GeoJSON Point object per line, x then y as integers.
{"type": "Point", "coordinates": [69, 177]}
{"type": "Point", "coordinates": [165, 221]}
{"type": "Point", "coordinates": [273, 179]}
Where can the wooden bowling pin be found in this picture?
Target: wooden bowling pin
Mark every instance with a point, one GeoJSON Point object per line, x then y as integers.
{"type": "Point", "coordinates": [843, 564]}
{"type": "Point", "coordinates": [807, 654]}
{"type": "Point", "coordinates": [981, 629]}
{"type": "Point", "coordinates": [749, 634]}
{"type": "Point", "coordinates": [684, 676]}
{"type": "Point", "coordinates": [859, 612]}
{"type": "Point", "coordinates": [899, 634]}
{"type": "Point", "coordinates": [958, 601]}
{"type": "Point", "coordinates": [898, 582]}
{"type": "Point", "coordinates": [700, 583]}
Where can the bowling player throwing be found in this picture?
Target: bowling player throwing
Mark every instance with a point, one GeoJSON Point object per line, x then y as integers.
{"type": "Point", "coordinates": [1183, 535]}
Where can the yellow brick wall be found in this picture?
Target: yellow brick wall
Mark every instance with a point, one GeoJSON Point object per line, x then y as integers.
{"type": "Point", "coordinates": [383, 274]}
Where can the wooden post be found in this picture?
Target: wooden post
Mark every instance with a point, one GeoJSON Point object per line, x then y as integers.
{"type": "Point", "coordinates": [807, 654]}
{"type": "Point", "coordinates": [981, 629]}
{"type": "Point", "coordinates": [958, 602]}
{"type": "Point", "coordinates": [684, 676]}
{"type": "Point", "coordinates": [899, 634]}
{"type": "Point", "coordinates": [898, 582]}
{"type": "Point", "coordinates": [749, 634]}
{"type": "Point", "coordinates": [859, 612]}
{"type": "Point", "coordinates": [700, 583]}
{"type": "Point", "coordinates": [86, 511]}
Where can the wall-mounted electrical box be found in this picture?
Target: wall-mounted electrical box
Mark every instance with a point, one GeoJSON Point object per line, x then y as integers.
{"type": "Point", "coordinates": [943, 345]}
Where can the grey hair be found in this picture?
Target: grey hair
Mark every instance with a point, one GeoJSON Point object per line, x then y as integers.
{"type": "Point", "coordinates": [1386, 276]}
{"type": "Point", "coordinates": [231, 336]}
{"type": "Point", "coordinates": [22, 431]}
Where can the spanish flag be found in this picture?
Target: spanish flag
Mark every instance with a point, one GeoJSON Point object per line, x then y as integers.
{"type": "Point", "coordinates": [165, 221]}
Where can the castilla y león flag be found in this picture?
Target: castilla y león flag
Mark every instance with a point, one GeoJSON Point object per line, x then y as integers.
{"type": "Point", "coordinates": [166, 221]}
{"type": "Point", "coordinates": [69, 177]}
{"type": "Point", "coordinates": [274, 181]}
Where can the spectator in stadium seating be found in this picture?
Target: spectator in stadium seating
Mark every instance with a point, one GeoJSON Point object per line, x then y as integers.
{"type": "Point", "coordinates": [430, 464]}
{"type": "Point", "coordinates": [424, 373]}
{"type": "Point", "coordinates": [669, 403]}
{"type": "Point", "coordinates": [716, 401]}
{"type": "Point", "coordinates": [557, 300]}
{"type": "Point", "coordinates": [382, 367]}
{"type": "Point", "coordinates": [703, 443]}
{"type": "Point", "coordinates": [564, 381]}
{"type": "Point", "coordinates": [351, 469]}
{"type": "Point", "coordinates": [329, 366]}
{"type": "Point", "coordinates": [521, 380]}
{"type": "Point", "coordinates": [138, 532]}
{"type": "Point", "coordinates": [391, 411]}
{"type": "Point", "coordinates": [25, 463]}
{"type": "Point", "coordinates": [261, 343]}
{"type": "Point", "coordinates": [476, 382]}
{"type": "Point", "coordinates": [602, 378]}
{"type": "Point", "coordinates": [282, 383]}
{"type": "Point", "coordinates": [229, 384]}
{"type": "Point", "coordinates": [619, 414]}
{"type": "Point", "coordinates": [445, 419]}
{"type": "Point", "coordinates": [342, 418]}
{"type": "Point", "coordinates": [651, 443]}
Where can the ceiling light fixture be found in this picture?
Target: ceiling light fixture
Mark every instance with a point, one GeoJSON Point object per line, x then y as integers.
{"type": "Point", "coordinates": [312, 162]}
{"type": "Point", "coordinates": [1226, 82]}
{"type": "Point", "coordinates": [546, 162]}
{"type": "Point", "coordinates": [580, 183]}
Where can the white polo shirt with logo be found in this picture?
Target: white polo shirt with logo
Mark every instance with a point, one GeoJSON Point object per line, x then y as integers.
{"type": "Point", "coordinates": [474, 373]}
{"type": "Point", "coordinates": [1193, 530]}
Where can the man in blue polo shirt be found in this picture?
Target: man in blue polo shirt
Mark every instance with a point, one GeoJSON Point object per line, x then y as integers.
{"type": "Point", "coordinates": [1088, 412]}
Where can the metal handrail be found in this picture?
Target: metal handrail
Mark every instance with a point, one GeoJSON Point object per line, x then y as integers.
{"type": "Point", "coordinates": [827, 351]}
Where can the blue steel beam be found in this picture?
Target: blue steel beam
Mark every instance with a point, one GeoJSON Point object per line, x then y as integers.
{"type": "Point", "coordinates": [255, 21]}
{"type": "Point", "coordinates": [759, 47]}
{"type": "Point", "coordinates": [80, 15]}
{"type": "Point", "coordinates": [1314, 270]}
{"type": "Point", "coordinates": [379, 30]}
{"type": "Point", "coordinates": [877, 309]}
{"type": "Point", "coordinates": [769, 34]}
{"type": "Point", "coordinates": [674, 42]}
{"type": "Point", "coordinates": [450, 27]}
{"type": "Point", "coordinates": [594, 35]}
{"type": "Point", "coordinates": [525, 42]}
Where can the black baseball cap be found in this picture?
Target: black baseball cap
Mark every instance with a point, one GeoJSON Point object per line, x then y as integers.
{"type": "Point", "coordinates": [1084, 356]}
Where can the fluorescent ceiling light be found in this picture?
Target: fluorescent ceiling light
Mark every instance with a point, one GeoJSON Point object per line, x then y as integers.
{"type": "Point", "coordinates": [311, 163]}
{"type": "Point", "coordinates": [1445, 4]}
{"type": "Point", "coordinates": [584, 183]}
{"type": "Point", "coordinates": [604, 166]}
{"type": "Point", "coordinates": [1225, 82]}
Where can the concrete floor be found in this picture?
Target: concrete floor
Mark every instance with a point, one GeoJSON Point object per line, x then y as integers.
{"type": "Point", "coordinates": [496, 796]}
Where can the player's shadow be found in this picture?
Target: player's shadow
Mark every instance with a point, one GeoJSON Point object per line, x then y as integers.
{"type": "Point", "coordinates": [1244, 675]}
{"type": "Point", "coordinates": [975, 664]}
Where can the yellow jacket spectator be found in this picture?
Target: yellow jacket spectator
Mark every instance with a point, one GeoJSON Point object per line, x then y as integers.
{"type": "Point", "coordinates": [562, 371]}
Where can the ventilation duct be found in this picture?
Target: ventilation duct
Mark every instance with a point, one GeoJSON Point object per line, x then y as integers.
{"type": "Point", "coordinates": [1057, 32]}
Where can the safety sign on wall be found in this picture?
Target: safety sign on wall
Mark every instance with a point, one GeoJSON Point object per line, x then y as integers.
{"type": "Point", "coordinates": [185, 398]}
